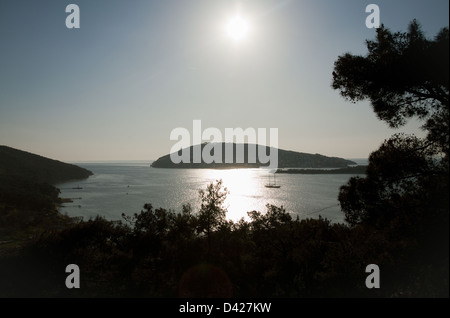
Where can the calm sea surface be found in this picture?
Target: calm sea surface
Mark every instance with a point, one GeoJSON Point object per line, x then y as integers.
{"type": "Point", "coordinates": [125, 187]}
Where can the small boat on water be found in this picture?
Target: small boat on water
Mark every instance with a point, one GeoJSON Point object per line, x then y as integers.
{"type": "Point", "coordinates": [274, 184]}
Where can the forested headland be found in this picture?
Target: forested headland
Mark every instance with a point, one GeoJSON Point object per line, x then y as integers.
{"type": "Point", "coordinates": [28, 197]}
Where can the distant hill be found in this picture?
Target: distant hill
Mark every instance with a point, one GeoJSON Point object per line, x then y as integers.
{"type": "Point", "coordinates": [286, 159]}
{"type": "Point", "coordinates": [35, 168]}
{"type": "Point", "coordinates": [347, 170]}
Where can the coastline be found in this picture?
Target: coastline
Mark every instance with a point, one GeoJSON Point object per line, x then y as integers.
{"type": "Point", "coordinates": [348, 170]}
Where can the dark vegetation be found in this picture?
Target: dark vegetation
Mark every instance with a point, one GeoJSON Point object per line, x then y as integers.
{"type": "Point", "coordinates": [286, 159]}
{"type": "Point", "coordinates": [405, 192]}
{"type": "Point", "coordinates": [161, 253]}
{"type": "Point", "coordinates": [397, 214]}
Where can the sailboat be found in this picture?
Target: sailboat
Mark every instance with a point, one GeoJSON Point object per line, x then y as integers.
{"type": "Point", "coordinates": [274, 184]}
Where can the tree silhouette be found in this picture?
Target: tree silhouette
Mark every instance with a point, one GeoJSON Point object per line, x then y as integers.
{"type": "Point", "coordinates": [212, 212]}
{"type": "Point", "coordinates": [404, 75]}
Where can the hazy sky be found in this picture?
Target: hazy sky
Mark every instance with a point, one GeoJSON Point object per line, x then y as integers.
{"type": "Point", "coordinates": [135, 70]}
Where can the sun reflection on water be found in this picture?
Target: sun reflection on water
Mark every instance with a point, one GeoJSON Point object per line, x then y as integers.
{"type": "Point", "coordinates": [244, 186]}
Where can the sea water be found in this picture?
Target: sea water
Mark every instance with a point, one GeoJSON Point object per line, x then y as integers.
{"type": "Point", "coordinates": [124, 187]}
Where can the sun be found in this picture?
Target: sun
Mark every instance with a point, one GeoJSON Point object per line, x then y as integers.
{"type": "Point", "coordinates": [237, 28]}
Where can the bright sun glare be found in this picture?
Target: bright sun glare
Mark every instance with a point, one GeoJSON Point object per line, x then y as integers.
{"type": "Point", "coordinates": [237, 28]}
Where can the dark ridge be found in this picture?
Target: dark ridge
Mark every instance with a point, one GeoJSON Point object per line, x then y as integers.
{"type": "Point", "coordinates": [35, 168]}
